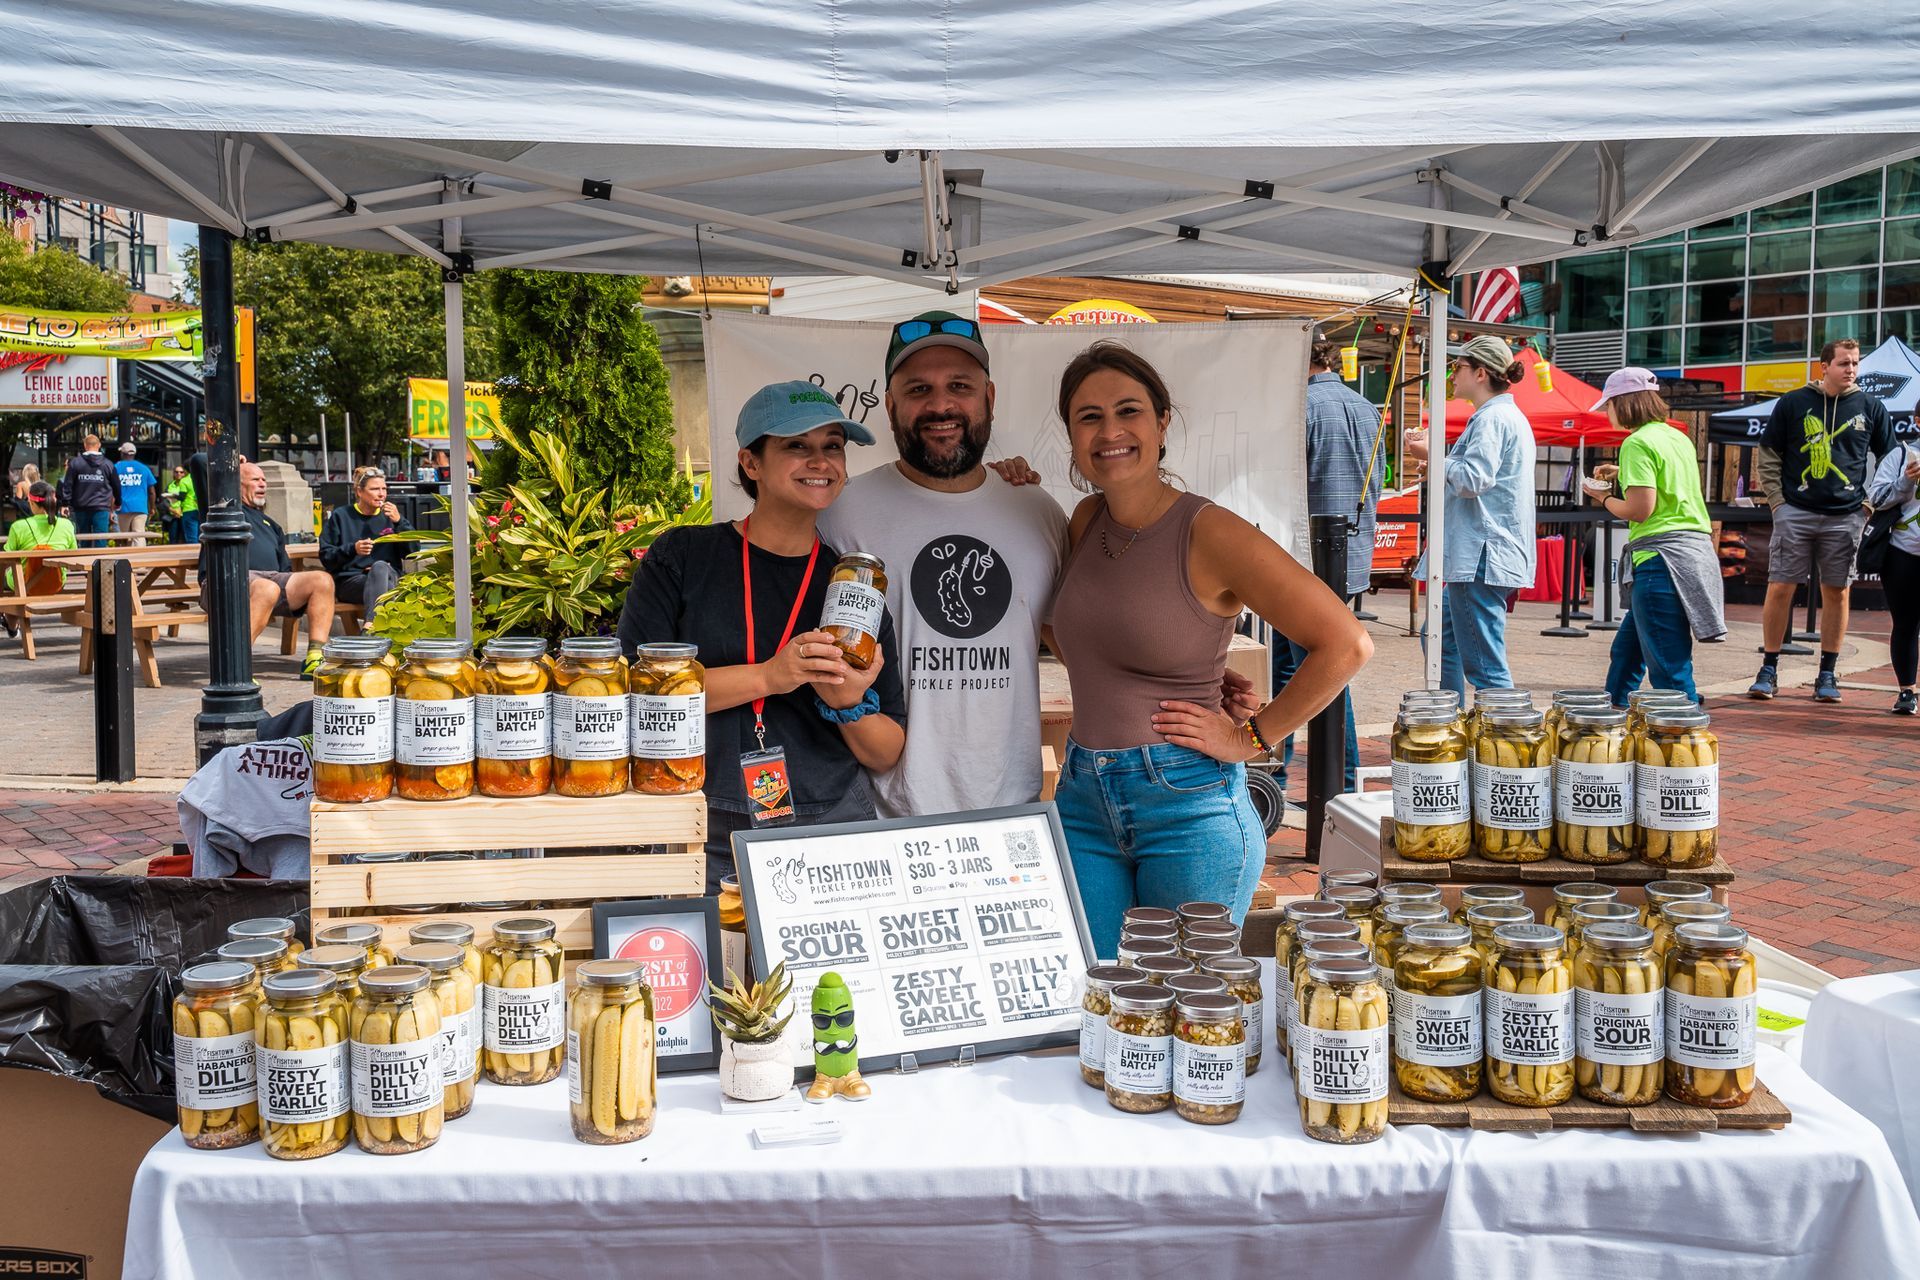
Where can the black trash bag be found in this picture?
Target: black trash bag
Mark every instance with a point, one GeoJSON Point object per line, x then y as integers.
{"type": "Point", "coordinates": [89, 966]}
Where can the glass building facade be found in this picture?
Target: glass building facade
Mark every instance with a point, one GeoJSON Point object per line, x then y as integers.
{"type": "Point", "coordinates": [1748, 301]}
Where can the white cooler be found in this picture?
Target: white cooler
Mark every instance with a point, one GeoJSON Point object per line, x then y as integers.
{"type": "Point", "coordinates": [1350, 836]}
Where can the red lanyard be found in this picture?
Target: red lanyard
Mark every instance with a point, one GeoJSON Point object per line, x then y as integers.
{"type": "Point", "coordinates": [746, 582]}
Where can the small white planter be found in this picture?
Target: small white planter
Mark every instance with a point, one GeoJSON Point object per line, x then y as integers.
{"type": "Point", "coordinates": [755, 1072]}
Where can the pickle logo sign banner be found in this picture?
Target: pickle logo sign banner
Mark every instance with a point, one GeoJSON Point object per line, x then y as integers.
{"type": "Point", "coordinates": [676, 942]}
{"type": "Point", "coordinates": [955, 931]}
{"type": "Point", "coordinates": [961, 586]}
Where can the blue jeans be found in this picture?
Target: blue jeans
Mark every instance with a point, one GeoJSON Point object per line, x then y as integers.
{"type": "Point", "coordinates": [1473, 637]}
{"type": "Point", "coordinates": [92, 521]}
{"type": "Point", "coordinates": [1157, 826]}
{"type": "Point", "coordinates": [190, 527]}
{"type": "Point", "coordinates": [1287, 657]}
{"type": "Point", "coordinates": [1654, 640]}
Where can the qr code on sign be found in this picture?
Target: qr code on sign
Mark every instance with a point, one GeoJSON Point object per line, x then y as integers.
{"type": "Point", "coordinates": [1024, 848]}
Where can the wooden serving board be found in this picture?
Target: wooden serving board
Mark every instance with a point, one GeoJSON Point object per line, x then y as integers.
{"type": "Point", "coordinates": [1548, 871]}
{"type": "Point", "coordinates": [1485, 1112]}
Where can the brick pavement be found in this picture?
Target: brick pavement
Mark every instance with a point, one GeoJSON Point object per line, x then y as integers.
{"type": "Point", "coordinates": [50, 833]}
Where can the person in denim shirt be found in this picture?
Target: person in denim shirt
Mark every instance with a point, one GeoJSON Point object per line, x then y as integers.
{"type": "Point", "coordinates": [1488, 525]}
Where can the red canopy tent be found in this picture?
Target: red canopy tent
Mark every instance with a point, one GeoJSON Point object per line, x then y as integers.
{"type": "Point", "coordinates": [1562, 416]}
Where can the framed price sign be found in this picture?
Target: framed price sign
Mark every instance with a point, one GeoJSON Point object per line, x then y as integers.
{"type": "Point", "coordinates": [956, 931]}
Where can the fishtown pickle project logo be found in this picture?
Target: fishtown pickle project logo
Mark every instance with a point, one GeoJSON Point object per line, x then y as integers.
{"type": "Point", "coordinates": [961, 587]}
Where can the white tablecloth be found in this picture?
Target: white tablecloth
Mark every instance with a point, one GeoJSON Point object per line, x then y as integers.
{"type": "Point", "coordinates": [1013, 1167]}
{"type": "Point", "coordinates": [1863, 1043]}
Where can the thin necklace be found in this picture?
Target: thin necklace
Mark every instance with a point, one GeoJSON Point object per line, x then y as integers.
{"type": "Point", "coordinates": [1108, 548]}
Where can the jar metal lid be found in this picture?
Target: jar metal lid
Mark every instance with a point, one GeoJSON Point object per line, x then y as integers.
{"type": "Point", "coordinates": [1595, 717]}
{"type": "Point", "coordinates": [1347, 895]}
{"type": "Point", "coordinates": [1640, 697]}
{"type": "Point", "coordinates": [1677, 718]}
{"type": "Point", "coordinates": [1166, 966]}
{"type": "Point", "coordinates": [261, 927]}
{"type": "Point", "coordinates": [357, 648]}
{"type": "Point", "coordinates": [1205, 948]}
{"type": "Point", "coordinates": [1325, 930]}
{"type": "Point", "coordinates": [1694, 911]}
{"type": "Point", "coordinates": [1583, 891]}
{"type": "Point", "coordinates": [349, 935]}
{"type": "Point", "coordinates": [1495, 914]}
{"type": "Point", "coordinates": [1149, 929]}
{"type": "Point", "coordinates": [1192, 911]}
{"type": "Point", "coordinates": [254, 951]}
{"type": "Point", "coordinates": [1529, 937]}
{"type": "Point", "coordinates": [1430, 695]}
{"type": "Point", "coordinates": [590, 647]}
{"type": "Point", "coordinates": [450, 857]}
{"type": "Point", "coordinates": [458, 932]}
{"type": "Point", "coordinates": [1212, 929]}
{"type": "Point", "coordinates": [1429, 713]}
{"type": "Point", "coordinates": [1491, 893]}
{"type": "Point", "coordinates": [516, 647]}
{"type": "Point", "coordinates": [1517, 717]}
{"type": "Point", "coordinates": [1149, 915]}
{"type": "Point", "coordinates": [333, 958]}
{"type": "Point", "coordinates": [1312, 909]}
{"type": "Point", "coordinates": [1194, 984]}
{"type": "Point", "coordinates": [1711, 936]}
{"type": "Point", "coordinates": [1395, 894]}
{"type": "Point", "coordinates": [610, 973]}
{"type": "Point", "coordinates": [1415, 912]}
{"type": "Point", "coordinates": [1597, 911]}
{"type": "Point", "coordinates": [669, 651]}
{"type": "Point", "coordinates": [1342, 970]}
{"type": "Point", "coordinates": [1209, 1006]}
{"type": "Point", "coordinates": [1368, 878]}
{"type": "Point", "coordinates": [395, 980]}
{"type": "Point", "coordinates": [1617, 935]}
{"type": "Point", "coordinates": [863, 560]}
{"type": "Point", "coordinates": [432, 649]}
{"type": "Point", "coordinates": [298, 984]}
{"type": "Point", "coordinates": [383, 856]}
{"type": "Point", "coordinates": [217, 975]}
{"type": "Point", "coordinates": [1231, 967]}
{"type": "Point", "coordinates": [1149, 946]}
{"type": "Point", "coordinates": [524, 929]}
{"type": "Point", "coordinates": [1142, 997]}
{"type": "Point", "coordinates": [1336, 949]}
{"type": "Point", "coordinates": [1490, 698]}
{"type": "Point", "coordinates": [1677, 891]}
{"type": "Point", "coordinates": [435, 957]}
{"type": "Point", "coordinates": [1108, 976]}
{"type": "Point", "coordinates": [1436, 935]}
{"type": "Point", "coordinates": [1564, 696]}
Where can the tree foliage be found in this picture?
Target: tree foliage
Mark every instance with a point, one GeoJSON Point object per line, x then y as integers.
{"type": "Point", "coordinates": [52, 278]}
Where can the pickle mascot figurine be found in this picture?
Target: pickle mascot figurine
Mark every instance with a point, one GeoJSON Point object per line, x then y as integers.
{"type": "Point", "coordinates": [836, 1049]}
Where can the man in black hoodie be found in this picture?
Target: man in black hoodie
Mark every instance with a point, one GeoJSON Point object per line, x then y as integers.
{"type": "Point", "coordinates": [363, 570]}
{"type": "Point", "coordinates": [90, 491]}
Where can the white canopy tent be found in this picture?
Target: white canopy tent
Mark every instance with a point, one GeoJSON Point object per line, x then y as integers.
{"type": "Point", "coordinates": [953, 147]}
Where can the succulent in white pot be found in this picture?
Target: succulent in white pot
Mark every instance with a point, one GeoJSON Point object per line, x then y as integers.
{"type": "Point", "coordinates": [756, 1064]}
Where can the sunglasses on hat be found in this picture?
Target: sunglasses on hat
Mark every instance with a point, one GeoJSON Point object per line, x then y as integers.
{"type": "Point", "coordinates": [914, 330]}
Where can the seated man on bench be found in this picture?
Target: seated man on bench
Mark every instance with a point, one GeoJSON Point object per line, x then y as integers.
{"type": "Point", "coordinates": [362, 569]}
{"type": "Point", "coordinates": [274, 590]}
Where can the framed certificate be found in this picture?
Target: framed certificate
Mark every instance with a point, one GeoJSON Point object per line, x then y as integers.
{"type": "Point", "coordinates": [677, 942]}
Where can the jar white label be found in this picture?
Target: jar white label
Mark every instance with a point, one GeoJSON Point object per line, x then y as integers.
{"type": "Point", "coordinates": [1209, 1074]}
{"type": "Point", "coordinates": [590, 728]}
{"type": "Point", "coordinates": [1256, 1018]}
{"type": "Point", "coordinates": [1531, 1030]}
{"type": "Point", "coordinates": [460, 1045]}
{"type": "Point", "coordinates": [1283, 997]}
{"type": "Point", "coordinates": [1139, 1064]}
{"type": "Point", "coordinates": [576, 1087]}
{"type": "Point", "coordinates": [854, 605]}
{"type": "Point", "coordinates": [397, 1079]}
{"type": "Point", "coordinates": [1437, 1031]}
{"type": "Point", "coordinates": [433, 733]}
{"type": "Point", "coordinates": [303, 1086]}
{"type": "Point", "coordinates": [1679, 799]}
{"type": "Point", "coordinates": [668, 728]}
{"type": "Point", "coordinates": [1430, 795]}
{"type": "Point", "coordinates": [352, 730]}
{"type": "Point", "coordinates": [1705, 1032]}
{"type": "Point", "coordinates": [514, 726]}
{"type": "Point", "coordinates": [1341, 1066]}
{"type": "Point", "coordinates": [1093, 1040]}
{"type": "Point", "coordinates": [1593, 795]}
{"type": "Point", "coordinates": [212, 1073]}
{"type": "Point", "coordinates": [1619, 1029]}
{"type": "Point", "coordinates": [526, 1019]}
{"type": "Point", "coordinates": [1383, 974]}
{"type": "Point", "coordinates": [733, 952]}
{"type": "Point", "coordinates": [1513, 799]}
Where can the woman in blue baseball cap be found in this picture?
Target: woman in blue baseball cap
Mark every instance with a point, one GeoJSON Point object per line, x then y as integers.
{"type": "Point", "coordinates": [791, 726]}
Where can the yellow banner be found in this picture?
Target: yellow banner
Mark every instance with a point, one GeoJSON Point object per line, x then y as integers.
{"type": "Point", "coordinates": [159, 335]}
{"type": "Point", "coordinates": [427, 412]}
{"type": "Point", "coordinates": [1100, 311]}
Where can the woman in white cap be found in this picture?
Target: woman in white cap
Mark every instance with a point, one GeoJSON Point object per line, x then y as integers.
{"type": "Point", "coordinates": [1669, 561]}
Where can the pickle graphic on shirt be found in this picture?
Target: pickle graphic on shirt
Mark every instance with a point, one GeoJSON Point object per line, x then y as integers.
{"type": "Point", "coordinates": [960, 586]}
{"type": "Point", "coordinates": [1819, 447]}
{"type": "Point", "coordinates": [960, 579]}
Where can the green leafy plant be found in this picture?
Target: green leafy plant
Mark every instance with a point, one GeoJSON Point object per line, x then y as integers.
{"type": "Point", "coordinates": [552, 555]}
{"type": "Point", "coordinates": [748, 1013]}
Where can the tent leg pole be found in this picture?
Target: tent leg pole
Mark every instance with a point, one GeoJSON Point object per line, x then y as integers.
{"type": "Point", "coordinates": [457, 460]}
{"type": "Point", "coordinates": [1436, 475]}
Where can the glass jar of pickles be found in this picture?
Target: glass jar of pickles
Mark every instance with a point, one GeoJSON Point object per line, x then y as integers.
{"type": "Point", "coordinates": [856, 603]}
{"type": "Point", "coordinates": [268, 927]}
{"type": "Point", "coordinates": [1328, 879]}
{"type": "Point", "coordinates": [399, 1093]}
{"type": "Point", "coordinates": [1642, 701]}
{"type": "Point", "coordinates": [1660, 892]}
{"type": "Point", "coordinates": [1387, 935]}
{"type": "Point", "coordinates": [1677, 789]}
{"type": "Point", "coordinates": [1437, 1014]}
{"type": "Point", "coordinates": [1291, 916]}
{"type": "Point", "coordinates": [1209, 1057]}
{"type": "Point", "coordinates": [369, 937]}
{"type": "Point", "coordinates": [1672, 915]}
{"type": "Point", "coordinates": [1096, 1002]}
{"type": "Point", "coordinates": [1513, 786]}
{"type": "Point", "coordinates": [591, 740]}
{"type": "Point", "coordinates": [300, 1052]}
{"type": "Point", "coordinates": [525, 1003]}
{"type": "Point", "coordinates": [453, 987]}
{"type": "Point", "coordinates": [1403, 893]}
{"type": "Point", "coordinates": [1432, 805]}
{"type": "Point", "coordinates": [1340, 1052]}
{"type": "Point", "coordinates": [433, 740]}
{"type": "Point", "coordinates": [1588, 914]}
{"type": "Point", "coordinates": [1487, 895]}
{"type": "Point", "coordinates": [1157, 969]}
{"type": "Point", "coordinates": [668, 714]}
{"type": "Point", "coordinates": [1139, 1074]}
{"type": "Point", "coordinates": [1482, 920]}
{"type": "Point", "coordinates": [1307, 952]}
{"type": "Point", "coordinates": [1242, 977]}
{"type": "Point", "coordinates": [1135, 949]}
{"type": "Point", "coordinates": [1564, 698]}
{"type": "Point", "coordinates": [513, 743]}
{"type": "Point", "coordinates": [1529, 1006]}
{"type": "Point", "coordinates": [1576, 893]}
{"type": "Point", "coordinates": [346, 964]}
{"type": "Point", "coordinates": [734, 945]}
{"type": "Point", "coordinates": [1618, 996]}
{"type": "Point", "coordinates": [213, 1071]}
{"type": "Point", "coordinates": [612, 1072]}
{"type": "Point", "coordinates": [1593, 787]}
{"type": "Point", "coordinates": [1357, 903]}
{"type": "Point", "coordinates": [1712, 1015]}
{"type": "Point", "coordinates": [460, 934]}
{"type": "Point", "coordinates": [266, 955]}
{"type": "Point", "coordinates": [353, 721]}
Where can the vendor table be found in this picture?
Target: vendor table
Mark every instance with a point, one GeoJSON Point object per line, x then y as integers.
{"type": "Point", "coordinates": [1013, 1167]}
{"type": "Point", "coordinates": [1861, 1043]}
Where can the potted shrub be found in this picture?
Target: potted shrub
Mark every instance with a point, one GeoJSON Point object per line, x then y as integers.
{"type": "Point", "coordinates": [754, 1061]}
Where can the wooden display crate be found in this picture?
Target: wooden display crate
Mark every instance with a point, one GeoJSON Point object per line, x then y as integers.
{"type": "Point", "coordinates": [371, 892]}
{"type": "Point", "coordinates": [1485, 1112]}
{"type": "Point", "coordinates": [1548, 871]}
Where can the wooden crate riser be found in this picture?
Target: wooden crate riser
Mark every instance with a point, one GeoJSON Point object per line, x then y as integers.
{"type": "Point", "coordinates": [1547, 872]}
{"type": "Point", "coordinates": [1487, 1113]}
{"type": "Point", "coordinates": [594, 876]}
{"type": "Point", "coordinates": [480, 822]}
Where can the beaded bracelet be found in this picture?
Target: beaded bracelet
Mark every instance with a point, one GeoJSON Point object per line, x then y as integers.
{"type": "Point", "coordinates": [1253, 731]}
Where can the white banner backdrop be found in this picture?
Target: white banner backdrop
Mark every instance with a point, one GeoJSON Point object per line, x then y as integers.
{"type": "Point", "coordinates": [1239, 395]}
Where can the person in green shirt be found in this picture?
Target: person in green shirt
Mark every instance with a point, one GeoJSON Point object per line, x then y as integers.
{"type": "Point", "coordinates": [1670, 559]}
{"type": "Point", "coordinates": [41, 529]}
{"type": "Point", "coordinates": [183, 504]}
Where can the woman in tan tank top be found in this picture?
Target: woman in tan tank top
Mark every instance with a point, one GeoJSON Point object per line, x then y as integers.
{"type": "Point", "coordinates": [1152, 794]}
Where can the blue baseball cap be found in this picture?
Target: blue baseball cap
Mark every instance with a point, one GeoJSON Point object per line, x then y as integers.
{"type": "Point", "coordinates": [792, 409]}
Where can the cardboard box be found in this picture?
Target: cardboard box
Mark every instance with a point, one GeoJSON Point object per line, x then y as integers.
{"type": "Point", "coordinates": [69, 1177]}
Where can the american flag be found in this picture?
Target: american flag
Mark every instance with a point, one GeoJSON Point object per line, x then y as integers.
{"type": "Point", "coordinates": [1496, 295]}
